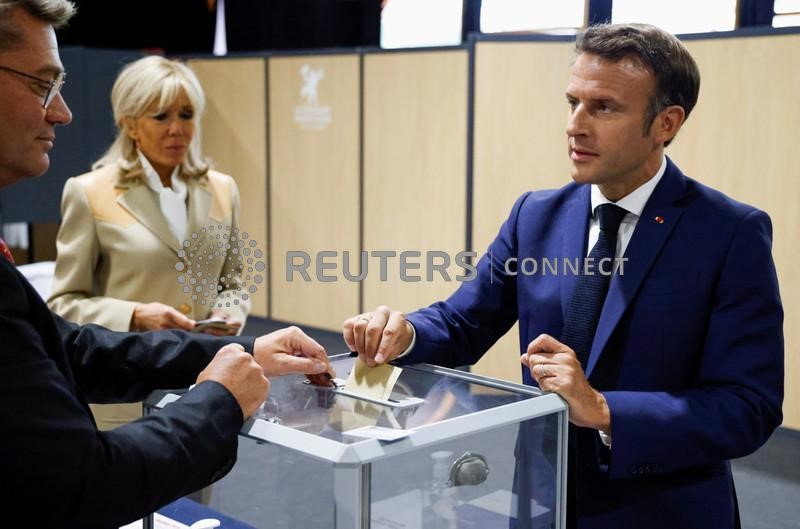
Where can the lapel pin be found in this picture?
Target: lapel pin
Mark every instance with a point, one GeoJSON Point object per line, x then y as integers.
{"type": "Point", "coordinates": [660, 220]}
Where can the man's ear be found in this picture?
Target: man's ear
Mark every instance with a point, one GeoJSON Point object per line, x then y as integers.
{"type": "Point", "coordinates": [668, 123]}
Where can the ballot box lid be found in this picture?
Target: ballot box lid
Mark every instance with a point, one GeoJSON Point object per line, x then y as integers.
{"type": "Point", "coordinates": [429, 405]}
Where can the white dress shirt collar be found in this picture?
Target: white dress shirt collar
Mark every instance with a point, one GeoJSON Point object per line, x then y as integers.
{"type": "Point", "coordinates": [172, 200]}
{"type": "Point", "coordinates": [634, 201]}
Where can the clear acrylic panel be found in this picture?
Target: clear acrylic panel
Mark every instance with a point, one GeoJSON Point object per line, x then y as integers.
{"type": "Point", "coordinates": [296, 404]}
{"type": "Point", "coordinates": [476, 453]}
{"type": "Point", "coordinates": [492, 480]}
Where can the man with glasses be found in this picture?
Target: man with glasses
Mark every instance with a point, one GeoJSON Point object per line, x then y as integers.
{"type": "Point", "coordinates": [59, 469]}
{"type": "Point", "coordinates": [47, 89]}
{"type": "Point", "coordinates": [32, 70]}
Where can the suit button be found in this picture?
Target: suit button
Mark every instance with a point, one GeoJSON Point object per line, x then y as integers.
{"type": "Point", "coordinates": [184, 308]}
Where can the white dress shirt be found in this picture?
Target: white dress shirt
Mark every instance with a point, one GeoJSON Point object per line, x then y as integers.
{"type": "Point", "coordinates": [633, 203]}
{"type": "Point", "coordinates": [172, 200]}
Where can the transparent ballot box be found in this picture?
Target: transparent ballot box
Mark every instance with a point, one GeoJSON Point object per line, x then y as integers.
{"type": "Point", "coordinates": [448, 450]}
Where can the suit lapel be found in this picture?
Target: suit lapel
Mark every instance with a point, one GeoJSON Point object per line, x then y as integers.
{"type": "Point", "coordinates": [138, 201]}
{"type": "Point", "coordinates": [574, 241]}
{"type": "Point", "coordinates": [199, 205]}
{"type": "Point", "coordinates": [659, 218]}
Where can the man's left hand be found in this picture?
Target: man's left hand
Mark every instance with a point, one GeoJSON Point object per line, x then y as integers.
{"type": "Point", "coordinates": [556, 369]}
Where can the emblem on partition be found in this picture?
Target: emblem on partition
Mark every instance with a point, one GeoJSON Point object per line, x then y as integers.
{"type": "Point", "coordinates": [309, 114]}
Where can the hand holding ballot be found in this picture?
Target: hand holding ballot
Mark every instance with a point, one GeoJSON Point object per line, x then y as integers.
{"type": "Point", "coordinates": [378, 336]}
{"type": "Point", "coordinates": [290, 350]}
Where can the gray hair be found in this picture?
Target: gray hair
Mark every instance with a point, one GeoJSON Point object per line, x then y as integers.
{"type": "Point", "coordinates": [141, 84]}
{"type": "Point", "coordinates": [54, 12]}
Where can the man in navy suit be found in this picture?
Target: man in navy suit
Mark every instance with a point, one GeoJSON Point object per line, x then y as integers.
{"type": "Point", "coordinates": [684, 369]}
{"type": "Point", "coordinates": [59, 470]}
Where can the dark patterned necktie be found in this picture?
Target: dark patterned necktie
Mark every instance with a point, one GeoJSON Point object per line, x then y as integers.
{"type": "Point", "coordinates": [587, 302]}
{"type": "Point", "coordinates": [5, 252]}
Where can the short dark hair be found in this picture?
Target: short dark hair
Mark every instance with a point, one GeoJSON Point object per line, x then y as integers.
{"type": "Point", "coordinates": [676, 74]}
{"type": "Point", "coordinates": [54, 12]}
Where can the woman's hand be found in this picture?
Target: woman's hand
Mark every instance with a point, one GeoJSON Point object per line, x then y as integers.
{"type": "Point", "coordinates": [156, 316]}
{"type": "Point", "coordinates": [232, 325]}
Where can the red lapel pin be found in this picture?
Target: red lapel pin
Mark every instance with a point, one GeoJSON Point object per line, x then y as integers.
{"type": "Point", "coordinates": [660, 220]}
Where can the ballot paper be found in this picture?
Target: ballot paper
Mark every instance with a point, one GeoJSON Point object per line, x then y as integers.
{"type": "Point", "coordinates": [350, 414]}
{"type": "Point", "coordinates": [372, 382]}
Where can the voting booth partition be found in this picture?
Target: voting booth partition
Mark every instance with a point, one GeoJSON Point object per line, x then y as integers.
{"type": "Point", "coordinates": [314, 186]}
{"type": "Point", "coordinates": [415, 157]}
{"type": "Point", "coordinates": [235, 137]}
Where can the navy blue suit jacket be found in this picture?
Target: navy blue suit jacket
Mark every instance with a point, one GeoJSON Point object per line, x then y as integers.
{"type": "Point", "coordinates": [59, 470]}
{"type": "Point", "coordinates": [688, 351]}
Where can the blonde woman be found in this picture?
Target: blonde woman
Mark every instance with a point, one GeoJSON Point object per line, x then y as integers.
{"type": "Point", "coordinates": [148, 239]}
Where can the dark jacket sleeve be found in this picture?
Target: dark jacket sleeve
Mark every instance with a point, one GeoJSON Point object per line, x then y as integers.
{"type": "Point", "coordinates": [59, 469]}
{"type": "Point", "coordinates": [125, 367]}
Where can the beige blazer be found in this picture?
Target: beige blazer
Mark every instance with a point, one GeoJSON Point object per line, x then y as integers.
{"type": "Point", "coordinates": [115, 250]}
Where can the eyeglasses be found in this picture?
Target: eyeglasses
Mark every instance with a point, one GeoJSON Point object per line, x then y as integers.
{"type": "Point", "coordinates": [48, 90]}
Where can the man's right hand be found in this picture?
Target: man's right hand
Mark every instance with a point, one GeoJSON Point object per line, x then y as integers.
{"type": "Point", "coordinates": [157, 316]}
{"type": "Point", "coordinates": [378, 336]}
{"type": "Point", "coordinates": [238, 371]}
